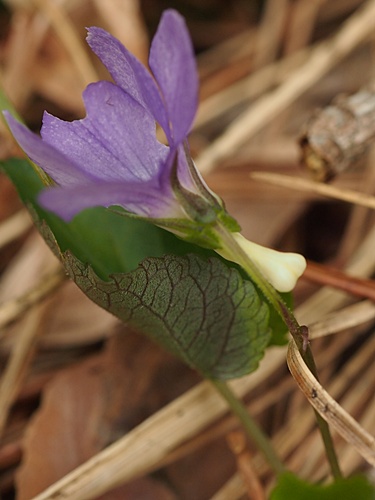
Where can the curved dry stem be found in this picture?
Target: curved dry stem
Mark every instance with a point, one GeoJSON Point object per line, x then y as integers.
{"type": "Point", "coordinates": [328, 408]}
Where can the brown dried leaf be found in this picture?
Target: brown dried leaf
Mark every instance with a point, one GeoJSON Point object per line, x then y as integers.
{"type": "Point", "coordinates": [141, 489]}
{"type": "Point", "coordinates": [88, 406]}
{"type": "Point", "coordinates": [63, 433]}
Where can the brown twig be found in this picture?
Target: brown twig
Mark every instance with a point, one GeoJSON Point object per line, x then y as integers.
{"type": "Point", "coordinates": [14, 226]}
{"type": "Point", "coordinates": [299, 184]}
{"type": "Point", "coordinates": [325, 275]}
{"type": "Point", "coordinates": [69, 37]}
{"type": "Point", "coordinates": [270, 32]}
{"type": "Point", "coordinates": [13, 309]}
{"type": "Point", "coordinates": [238, 445]}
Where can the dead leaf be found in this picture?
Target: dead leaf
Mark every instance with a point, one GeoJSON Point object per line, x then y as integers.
{"type": "Point", "coordinates": [88, 406]}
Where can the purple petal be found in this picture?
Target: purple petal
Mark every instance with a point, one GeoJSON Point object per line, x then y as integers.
{"type": "Point", "coordinates": [129, 73]}
{"type": "Point", "coordinates": [172, 62]}
{"type": "Point", "coordinates": [54, 162]}
{"type": "Point", "coordinates": [116, 140]}
{"type": "Point", "coordinates": [139, 199]}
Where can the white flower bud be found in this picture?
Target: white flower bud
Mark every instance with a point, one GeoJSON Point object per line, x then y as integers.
{"type": "Point", "coordinates": [281, 269]}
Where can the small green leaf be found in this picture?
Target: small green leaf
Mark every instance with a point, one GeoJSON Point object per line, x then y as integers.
{"type": "Point", "coordinates": [201, 310]}
{"type": "Point", "coordinates": [290, 487]}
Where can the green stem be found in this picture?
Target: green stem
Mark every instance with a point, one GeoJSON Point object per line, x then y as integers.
{"type": "Point", "coordinates": [250, 426]}
{"type": "Point", "coordinates": [298, 332]}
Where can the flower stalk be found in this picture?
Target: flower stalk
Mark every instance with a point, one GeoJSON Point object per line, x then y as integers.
{"type": "Point", "coordinates": [250, 426]}
{"type": "Point", "coordinates": [297, 331]}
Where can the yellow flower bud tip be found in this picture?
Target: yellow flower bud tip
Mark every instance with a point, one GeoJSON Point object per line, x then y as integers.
{"type": "Point", "coordinates": [281, 269]}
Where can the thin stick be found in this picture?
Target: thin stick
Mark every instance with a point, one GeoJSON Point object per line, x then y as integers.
{"type": "Point", "coordinates": [18, 364]}
{"type": "Point", "coordinates": [13, 227]}
{"type": "Point", "coordinates": [308, 186]}
{"type": "Point", "coordinates": [270, 32]}
{"type": "Point", "coordinates": [238, 445]}
{"type": "Point", "coordinates": [68, 35]}
{"type": "Point", "coordinates": [13, 309]}
{"type": "Point", "coordinates": [356, 29]}
{"type": "Point", "coordinates": [349, 317]}
{"type": "Point", "coordinates": [304, 13]}
{"type": "Point", "coordinates": [248, 88]}
{"type": "Point", "coordinates": [325, 275]}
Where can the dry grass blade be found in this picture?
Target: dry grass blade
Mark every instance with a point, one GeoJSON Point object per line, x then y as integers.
{"type": "Point", "coordinates": [69, 37]}
{"type": "Point", "coordinates": [233, 489]}
{"type": "Point", "coordinates": [17, 366]}
{"type": "Point", "coordinates": [304, 13]}
{"type": "Point", "coordinates": [328, 408]}
{"type": "Point", "coordinates": [14, 227]}
{"type": "Point", "coordinates": [13, 309]}
{"type": "Point", "coordinates": [238, 443]}
{"type": "Point", "coordinates": [23, 349]}
{"type": "Point", "coordinates": [348, 317]}
{"type": "Point", "coordinates": [295, 183]}
{"type": "Point", "coordinates": [361, 264]}
{"type": "Point", "coordinates": [270, 32]}
{"type": "Point", "coordinates": [248, 88]}
{"type": "Point", "coordinates": [357, 29]}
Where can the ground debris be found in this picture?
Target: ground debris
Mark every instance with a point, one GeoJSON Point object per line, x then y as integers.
{"type": "Point", "coordinates": [338, 135]}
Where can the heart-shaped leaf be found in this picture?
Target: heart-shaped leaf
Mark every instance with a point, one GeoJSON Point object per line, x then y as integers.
{"type": "Point", "coordinates": [199, 309]}
{"type": "Point", "coordinates": [106, 248]}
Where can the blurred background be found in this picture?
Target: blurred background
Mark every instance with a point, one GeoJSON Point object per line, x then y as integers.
{"type": "Point", "coordinates": [72, 381]}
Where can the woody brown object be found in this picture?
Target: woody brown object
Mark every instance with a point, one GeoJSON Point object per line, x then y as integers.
{"type": "Point", "coordinates": [338, 135]}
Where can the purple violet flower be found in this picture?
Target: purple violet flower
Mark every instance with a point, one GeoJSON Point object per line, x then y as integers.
{"type": "Point", "coordinates": [112, 156]}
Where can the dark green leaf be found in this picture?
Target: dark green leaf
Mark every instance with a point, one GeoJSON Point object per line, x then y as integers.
{"type": "Point", "coordinates": [201, 310]}
{"type": "Point", "coordinates": [290, 487]}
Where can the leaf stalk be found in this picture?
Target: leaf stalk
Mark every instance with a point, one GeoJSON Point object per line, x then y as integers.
{"type": "Point", "coordinates": [250, 426]}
